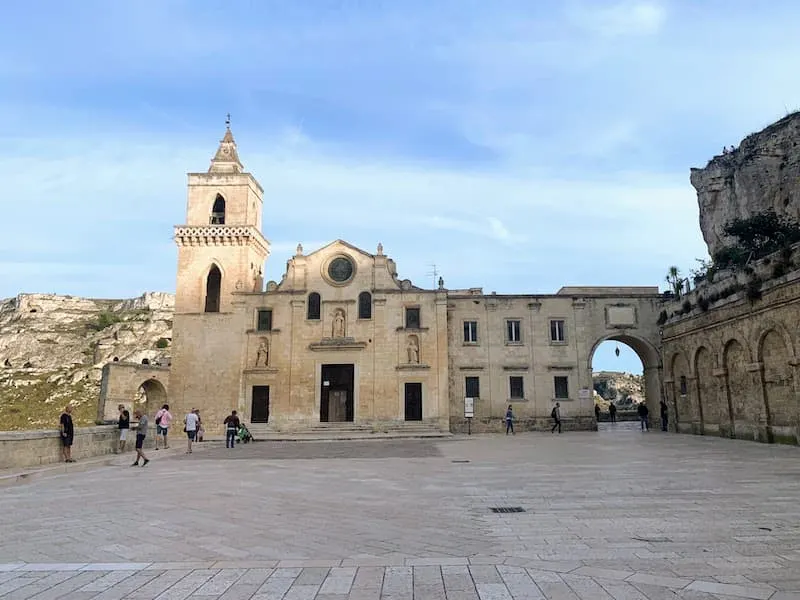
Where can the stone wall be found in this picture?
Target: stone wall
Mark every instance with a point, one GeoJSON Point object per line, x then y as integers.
{"type": "Point", "coordinates": [32, 448]}
{"type": "Point", "coordinates": [732, 370]}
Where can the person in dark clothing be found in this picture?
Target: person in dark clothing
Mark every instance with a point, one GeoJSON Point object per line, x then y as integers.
{"type": "Point", "coordinates": [509, 420]}
{"type": "Point", "coordinates": [597, 412]}
{"type": "Point", "coordinates": [231, 423]}
{"type": "Point", "coordinates": [555, 414]}
{"type": "Point", "coordinates": [612, 412]}
{"type": "Point", "coordinates": [124, 424]}
{"type": "Point", "coordinates": [643, 412]}
{"type": "Point", "coordinates": [664, 416]}
{"type": "Point", "coordinates": [67, 431]}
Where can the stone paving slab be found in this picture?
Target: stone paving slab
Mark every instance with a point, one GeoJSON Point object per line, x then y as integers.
{"type": "Point", "coordinates": [615, 514]}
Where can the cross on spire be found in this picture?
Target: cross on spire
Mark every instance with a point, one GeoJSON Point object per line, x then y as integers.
{"type": "Point", "coordinates": [228, 120]}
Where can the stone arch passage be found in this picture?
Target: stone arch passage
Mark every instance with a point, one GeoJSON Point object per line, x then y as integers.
{"type": "Point", "coordinates": [780, 405]}
{"type": "Point", "coordinates": [651, 366]}
{"type": "Point", "coordinates": [150, 396]}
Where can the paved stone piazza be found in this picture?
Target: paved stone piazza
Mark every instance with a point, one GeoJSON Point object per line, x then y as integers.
{"type": "Point", "coordinates": [614, 514]}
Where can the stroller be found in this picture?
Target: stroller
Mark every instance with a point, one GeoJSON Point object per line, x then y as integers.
{"type": "Point", "coordinates": [243, 435]}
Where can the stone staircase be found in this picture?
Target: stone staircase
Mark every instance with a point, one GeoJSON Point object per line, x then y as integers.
{"type": "Point", "coordinates": [349, 431]}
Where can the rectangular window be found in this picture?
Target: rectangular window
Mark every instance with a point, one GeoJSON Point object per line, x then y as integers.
{"type": "Point", "coordinates": [515, 384]}
{"type": "Point", "coordinates": [513, 331]}
{"type": "Point", "coordinates": [561, 384]}
{"type": "Point", "coordinates": [265, 319]}
{"type": "Point", "coordinates": [557, 331]}
{"type": "Point", "coordinates": [471, 333]}
{"type": "Point", "coordinates": [412, 318]}
{"type": "Point", "coordinates": [472, 386]}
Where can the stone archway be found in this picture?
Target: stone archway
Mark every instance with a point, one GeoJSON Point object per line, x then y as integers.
{"type": "Point", "coordinates": [739, 391]}
{"type": "Point", "coordinates": [150, 396]}
{"type": "Point", "coordinates": [684, 405]}
{"type": "Point", "coordinates": [651, 366]}
{"type": "Point", "coordinates": [711, 410]}
{"type": "Point", "coordinates": [780, 410]}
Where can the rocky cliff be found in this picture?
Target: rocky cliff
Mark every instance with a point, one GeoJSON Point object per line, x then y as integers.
{"type": "Point", "coordinates": [762, 173]}
{"type": "Point", "coordinates": [623, 389]}
{"type": "Point", "coordinates": [52, 350]}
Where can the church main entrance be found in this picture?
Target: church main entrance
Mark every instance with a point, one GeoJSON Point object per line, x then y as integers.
{"type": "Point", "coordinates": [336, 397]}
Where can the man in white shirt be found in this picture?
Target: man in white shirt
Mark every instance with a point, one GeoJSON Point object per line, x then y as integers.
{"type": "Point", "coordinates": [190, 425]}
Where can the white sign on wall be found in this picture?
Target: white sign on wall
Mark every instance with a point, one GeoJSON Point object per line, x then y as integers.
{"type": "Point", "coordinates": [584, 394]}
{"type": "Point", "coordinates": [469, 407]}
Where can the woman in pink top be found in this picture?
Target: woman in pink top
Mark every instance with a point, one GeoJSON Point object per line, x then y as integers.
{"type": "Point", "coordinates": [163, 420]}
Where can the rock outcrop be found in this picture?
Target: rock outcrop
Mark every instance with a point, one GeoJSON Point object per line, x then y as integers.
{"type": "Point", "coordinates": [623, 389]}
{"type": "Point", "coordinates": [762, 173]}
{"type": "Point", "coordinates": [53, 348]}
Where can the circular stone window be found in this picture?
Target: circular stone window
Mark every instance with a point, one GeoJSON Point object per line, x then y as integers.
{"type": "Point", "coordinates": [340, 269]}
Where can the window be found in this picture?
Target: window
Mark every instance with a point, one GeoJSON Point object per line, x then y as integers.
{"type": "Point", "coordinates": [213, 285]}
{"type": "Point", "coordinates": [365, 305]}
{"type": "Point", "coordinates": [218, 211]}
{"type": "Point", "coordinates": [412, 318]}
{"type": "Point", "coordinates": [472, 387]}
{"type": "Point", "coordinates": [561, 385]}
{"type": "Point", "coordinates": [265, 319]}
{"type": "Point", "coordinates": [684, 386]}
{"type": "Point", "coordinates": [513, 331]}
{"type": "Point", "coordinates": [470, 333]}
{"type": "Point", "coordinates": [312, 312]}
{"type": "Point", "coordinates": [515, 383]}
{"type": "Point", "coordinates": [557, 331]}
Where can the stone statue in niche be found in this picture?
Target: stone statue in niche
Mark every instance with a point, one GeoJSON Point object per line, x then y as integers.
{"type": "Point", "coordinates": [338, 324]}
{"type": "Point", "coordinates": [299, 251]}
{"type": "Point", "coordinates": [262, 354]}
{"type": "Point", "coordinates": [413, 350]}
{"type": "Point", "coordinates": [380, 249]}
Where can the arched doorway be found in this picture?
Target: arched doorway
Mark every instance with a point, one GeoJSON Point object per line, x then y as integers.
{"type": "Point", "coordinates": [777, 379]}
{"type": "Point", "coordinates": [150, 396]}
{"type": "Point", "coordinates": [635, 363]}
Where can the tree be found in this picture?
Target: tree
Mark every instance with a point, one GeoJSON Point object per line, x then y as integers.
{"type": "Point", "coordinates": [675, 280]}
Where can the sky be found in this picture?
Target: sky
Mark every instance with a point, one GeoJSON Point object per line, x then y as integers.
{"type": "Point", "coordinates": [517, 145]}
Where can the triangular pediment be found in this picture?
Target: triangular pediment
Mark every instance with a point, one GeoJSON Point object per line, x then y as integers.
{"type": "Point", "coordinates": [340, 245]}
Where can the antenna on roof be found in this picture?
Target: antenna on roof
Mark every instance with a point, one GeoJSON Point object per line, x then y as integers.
{"type": "Point", "coordinates": [433, 273]}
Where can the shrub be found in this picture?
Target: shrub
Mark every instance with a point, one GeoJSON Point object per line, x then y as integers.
{"type": "Point", "coordinates": [686, 306]}
{"type": "Point", "coordinates": [662, 318]}
{"type": "Point", "coordinates": [162, 343]}
{"type": "Point", "coordinates": [778, 270]}
{"type": "Point", "coordinates": [104, 319]}
{"type": "Point", "coordinates": [702, 303]}
{"type": "Point", "coordinates": [754, 289]}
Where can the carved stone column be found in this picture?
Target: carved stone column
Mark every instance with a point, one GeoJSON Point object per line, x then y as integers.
{"type": "Point", "coordinates": [758, 414]}
{"type": "Point", "coordinates": [723, 399]}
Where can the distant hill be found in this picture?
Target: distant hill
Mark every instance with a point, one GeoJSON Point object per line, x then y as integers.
{"type": "Point", "coordinates": [53, 348]}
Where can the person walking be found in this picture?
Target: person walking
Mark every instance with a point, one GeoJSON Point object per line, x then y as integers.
{"type": "Point", "coordinates": [612, 412]}
{"type": "Point", "coordinates": [67, 433]}
{"type": "Point", "coordinates": [231, 423]}
{"type": "Point", "coordinates": [163, 420]}
{"type": "Point", "coordinates": [510, 420]}
{"type": "Point", "coordinates": [200, 431]}
{"type": "Point", "coordinates": [664, 416]}
{"type": "Point", "coordinates": [643, 413]}
{"type": "Point", "coordinates": [141, 433]}
{"type": "Point", "coordinates": [597, 412]}
{"type": "Point", "coordinates": [190, 422]}
{"type": "Point", "coordinates": [123, 424]}
{"type": "Point", "coordinates": [555, 414]}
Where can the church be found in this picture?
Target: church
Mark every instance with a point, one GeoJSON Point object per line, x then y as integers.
{"type": "Point", "coordinates": [342, 339]}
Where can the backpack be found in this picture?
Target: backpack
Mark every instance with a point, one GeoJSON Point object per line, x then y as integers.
{"type": "Point", "coordinates": [158, 417]}
{"type": "Point", "coordinates": [553, 413]}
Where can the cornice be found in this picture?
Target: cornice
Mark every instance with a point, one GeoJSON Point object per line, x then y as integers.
{"type": "Point", "coordinates": [220, 235]}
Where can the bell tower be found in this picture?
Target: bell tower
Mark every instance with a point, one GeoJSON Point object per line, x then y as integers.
{"type": "Point", "coordinates": [221, 249]}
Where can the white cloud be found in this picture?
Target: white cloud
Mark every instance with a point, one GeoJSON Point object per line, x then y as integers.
{"type": "Point", "coordinates": [637, 17]}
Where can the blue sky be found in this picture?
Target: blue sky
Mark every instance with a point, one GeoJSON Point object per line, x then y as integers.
{"type": "Point", "coordinates": [518, 145]}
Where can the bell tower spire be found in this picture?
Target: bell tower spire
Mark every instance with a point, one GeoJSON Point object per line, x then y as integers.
{"type": "Point", "coordinates": [226, 160]}
{"type": "Point", "coordinates": [221, 250]}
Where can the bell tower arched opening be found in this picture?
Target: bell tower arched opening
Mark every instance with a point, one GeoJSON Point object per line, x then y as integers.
{"type": "Point", "coordinates": [213, 289]}
{"type": "Point", "coordinates": [218, 211]}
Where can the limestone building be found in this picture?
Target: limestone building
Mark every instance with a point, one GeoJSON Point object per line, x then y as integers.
{"type": "Point", "coordinates": [341, 338]}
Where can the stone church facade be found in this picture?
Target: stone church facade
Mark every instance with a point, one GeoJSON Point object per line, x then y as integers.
{"type": "Point", "coordinates": [342, 339]}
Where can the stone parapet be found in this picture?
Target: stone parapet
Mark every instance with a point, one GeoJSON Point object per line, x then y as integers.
{"type": "Point", "coordinates": [41, 447]}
